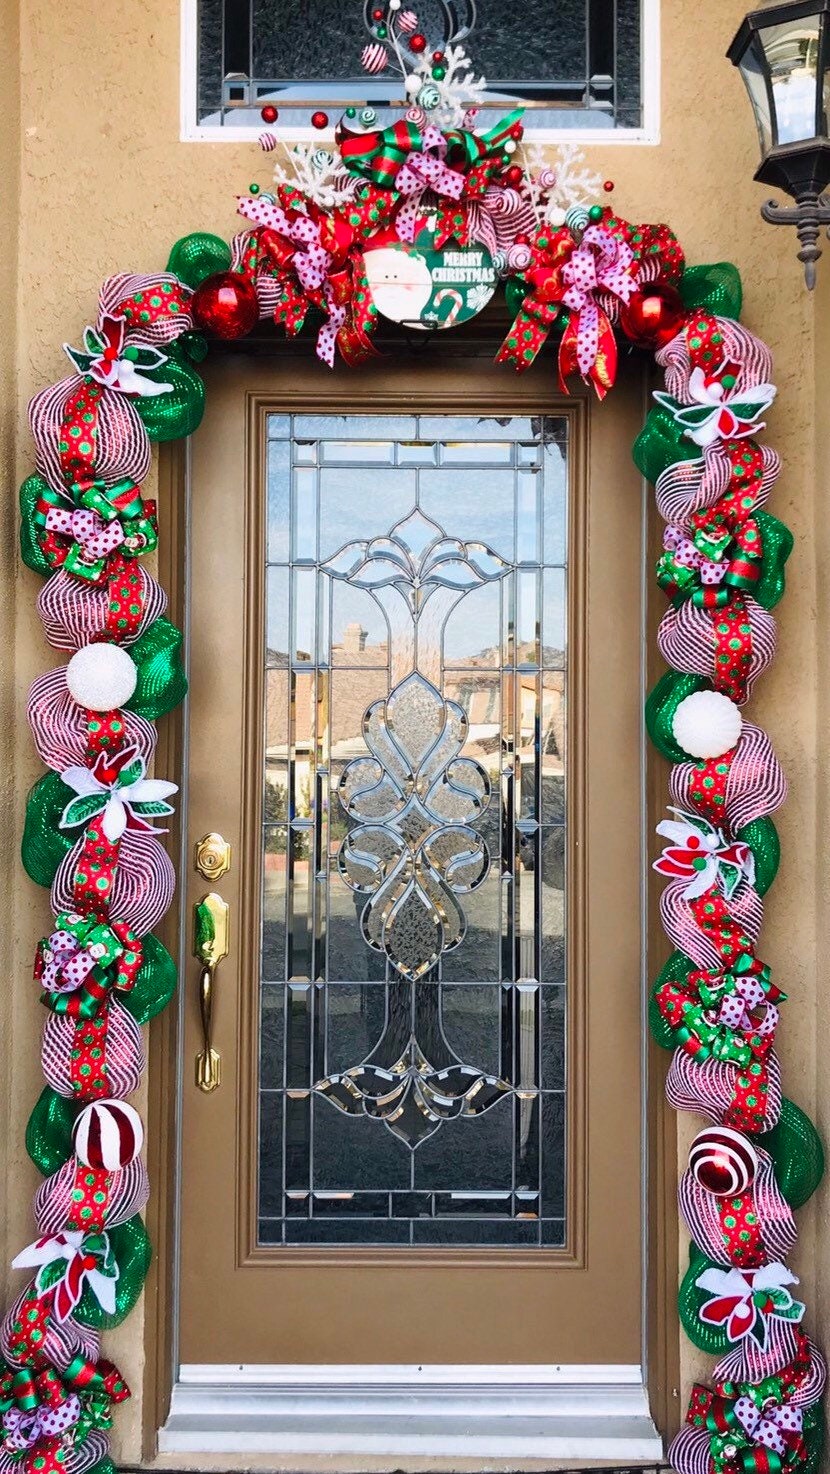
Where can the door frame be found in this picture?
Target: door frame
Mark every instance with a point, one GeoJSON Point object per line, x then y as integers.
{"type": "Point", "coordinates": [660, 1358]}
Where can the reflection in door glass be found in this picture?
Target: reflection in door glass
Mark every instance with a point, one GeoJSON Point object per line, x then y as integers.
{"type": "Point", "coordinates": [413, 1014]}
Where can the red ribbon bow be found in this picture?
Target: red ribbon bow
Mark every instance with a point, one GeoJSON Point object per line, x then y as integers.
{"type": "Point", "coordinates": [602, 266]}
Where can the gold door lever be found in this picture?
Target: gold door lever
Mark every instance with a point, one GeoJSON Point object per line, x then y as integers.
{"type": "Point", "coordinates": [210, 945]}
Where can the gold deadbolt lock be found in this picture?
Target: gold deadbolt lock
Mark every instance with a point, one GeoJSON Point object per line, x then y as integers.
{"type": "Point", "coordinates": [212, 857]}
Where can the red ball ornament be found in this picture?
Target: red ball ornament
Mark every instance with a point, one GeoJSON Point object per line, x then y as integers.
{"type": "Point", "coordinates": [320, 120]}
{"type": "Point", "coordinates": [438, 57]}
{"type": "Point", "coordinates": [417, 42]}
{"type": "Point", "coordinates": [377, 14]}
{"type": "Point", "coordinates": [514, 175]}
{"type": "Point", "coordinates": [654, 316]}
{"type": "Point", "coordinates": [225, 305]}
{"type": "Point", "coordinates": [608, 186]}
{"type": "Point", "coordinates": [269, 113]}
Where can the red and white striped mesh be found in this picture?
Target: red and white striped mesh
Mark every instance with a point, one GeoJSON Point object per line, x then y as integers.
{"type": "Point", "coordinates": [741, 347]}
{"type": "Point", "coordinates": [62, 1342]}
{"type": "Point", "coordinates": [75, 1460]}
{"type": "Point", "coordinates": [268, 289]}
{"type": "Point", "coordinates": [74, 613]}
{"type": "Point", "coordinates": [689, 1452]}
{"type": "Point", "coordinates": [143, 886]}
{"type": "Point", "coordinates": [775, 1220]}
{"type": "Point", "coordinates": [755, 787]}
{"type": "Point", "coordinates": [749, 1363]}
{"type": "Point", "coordinates": [689, 485]}
{"type": "Point", "coordinates": [115, 291]}
{"type": "Point", "coordinates": [686, 638]}
{"type": "Point", "coordinates": [59, 725]}
{"type": "Point", "coordinates": [129, 1190]}
{"type": "Point", "coordinates": [125, 1052]}
{"type": "Point", "coordinates": [122, 448]}
{"type": "Point", "coordinates": [745, 906]}
{"type": "Point", "coordinates": [708, 1088]}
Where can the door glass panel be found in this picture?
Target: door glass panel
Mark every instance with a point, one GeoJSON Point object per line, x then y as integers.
{"type": "Point", "coordinates": [413, 988]}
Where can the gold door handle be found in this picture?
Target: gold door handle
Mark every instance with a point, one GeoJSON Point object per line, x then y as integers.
{"type": "Point", "coordinates": [210, 946]}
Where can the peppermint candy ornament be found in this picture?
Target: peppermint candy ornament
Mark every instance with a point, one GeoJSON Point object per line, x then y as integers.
{"type": "Point", "coordinates": [407, 22]}
{"type": "Point", "coordinates": [374, 58]}
{"type": "Point", "coordinates": [723, 1161]}
{"type": "Point", "coordinates": [109, 1134]}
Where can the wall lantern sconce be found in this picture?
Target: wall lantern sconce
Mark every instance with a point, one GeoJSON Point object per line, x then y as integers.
{"type": "Point", "coordinates": [783, 53]}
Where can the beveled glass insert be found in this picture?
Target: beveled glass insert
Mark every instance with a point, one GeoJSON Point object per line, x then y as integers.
{"type": "Point", "coordinates": [413, 988]}
{"type": "Point", "coordinates": [572, 63]}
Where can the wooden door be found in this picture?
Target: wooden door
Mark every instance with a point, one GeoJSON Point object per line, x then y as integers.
{"type": "Point", "coordinates": [415, 716]}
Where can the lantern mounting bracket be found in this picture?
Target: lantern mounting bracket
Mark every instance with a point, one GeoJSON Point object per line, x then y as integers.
{"type": "Point", "coordinates": [810, 212]}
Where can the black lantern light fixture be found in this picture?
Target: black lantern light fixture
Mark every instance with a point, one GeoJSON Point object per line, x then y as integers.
{"type": "Point", "coordinates": [783, 53]}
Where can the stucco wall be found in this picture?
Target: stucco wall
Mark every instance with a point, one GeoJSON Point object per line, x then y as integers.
{"type": "Point", "coordinates": [95, 180]}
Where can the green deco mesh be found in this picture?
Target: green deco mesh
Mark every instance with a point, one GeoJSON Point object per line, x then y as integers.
{"type": "Point", "coordinates": [777, 542]}
{"type": "Point", "coordinates": [174, 415]}
{"type": "Point", "coordinates": [199, 255]}
{"type": "Point", "coordinates": [711, 1339]}
{"type": "Point", "coordinates": [716, 289]}
{"type": "Point", "coordinates": [796, 1150]}
{"type": "Point", "coordinates": [49, 1131]}
{"type": "Point", "coordinates": [662, 703]}
{"type": "Point", "coordinates": [813, 1432]}
{"type": "Point", "coordinates": [44, 844]}
{"type": "Point", "coordinates": [30, 493]}
{"type": "Point", "coordinates": [661, 443]}
{"type": "Point", "coordinates": [104, 1466]}
{"type": "Point", "coordinates": [155, 982]}
{"type": "Point", "coordinates": [130, 1243]}
{"type": "Point", "coordinates": [762, 837]}
{"type": "Point", "coordinates": [162, 683]}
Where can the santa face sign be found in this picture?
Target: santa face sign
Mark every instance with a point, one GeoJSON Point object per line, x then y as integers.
{"type": "Point", "coordinates": [421, 287]}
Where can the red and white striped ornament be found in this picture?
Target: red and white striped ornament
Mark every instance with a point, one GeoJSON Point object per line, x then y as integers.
{"type": "Point", "coordinates": [407, 22]}
{"type": "Point", "coordinates": [267, 141]}
{"type": "Point", "coordinates": [109, 1134]}
{"type": "Point", "coordinates": [374, 58]}
{"type": "Point", "coordinates": [723, 1161]}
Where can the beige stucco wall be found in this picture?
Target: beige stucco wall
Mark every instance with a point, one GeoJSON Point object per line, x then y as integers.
{"type": "Point", "coordinates": [94, 180]}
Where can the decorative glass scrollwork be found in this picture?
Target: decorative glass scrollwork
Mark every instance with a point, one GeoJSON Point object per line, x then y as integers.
{"type": "Point", "coordinates": [414, 849]}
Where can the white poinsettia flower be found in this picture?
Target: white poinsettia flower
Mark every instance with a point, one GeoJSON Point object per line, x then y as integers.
{"type": "Point", "coordinates": [719, 411]}
{"type": "Point", "coordinates": [108, 359]}
{"type": "Point", "coordinates": [115, 786]}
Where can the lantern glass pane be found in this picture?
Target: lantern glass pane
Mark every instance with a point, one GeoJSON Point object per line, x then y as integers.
{"type": "Point", "coordinates": [754, 73]}
{"type": "Point", "coordinates": [792, 56]}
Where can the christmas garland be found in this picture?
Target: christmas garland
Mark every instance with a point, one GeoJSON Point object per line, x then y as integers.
{"type": "Point", "coordinates": [90, 829]}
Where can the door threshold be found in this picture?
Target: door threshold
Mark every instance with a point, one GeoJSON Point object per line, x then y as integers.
{"type": "Point", "coordinates": [575, 1413]}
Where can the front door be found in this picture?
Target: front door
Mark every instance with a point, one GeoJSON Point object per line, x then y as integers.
{"type": "Point", "coordinates": [415, 632]}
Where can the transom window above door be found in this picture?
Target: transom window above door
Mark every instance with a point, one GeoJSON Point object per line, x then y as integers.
{"type": "Point", "coordinates": [573, 64]}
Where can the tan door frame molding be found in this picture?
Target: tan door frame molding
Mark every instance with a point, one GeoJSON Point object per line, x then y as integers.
{"type": "Point", "coordinates": [544, 1406]}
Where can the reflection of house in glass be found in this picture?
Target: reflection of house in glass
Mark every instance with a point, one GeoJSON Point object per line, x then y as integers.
{"type": "Point", "coordinates": [359, 676]}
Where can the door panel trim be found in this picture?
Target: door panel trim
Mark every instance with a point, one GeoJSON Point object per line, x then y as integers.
{"type": "Point", "coordinates": [658, 1165]}
{"type": "Point", "coordinates": [551, 1412]}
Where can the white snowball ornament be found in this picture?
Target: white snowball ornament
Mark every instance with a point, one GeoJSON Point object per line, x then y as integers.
{"type": "Point", "coordinates": [706, 724]}
{"type": "Point", "coordinates": [101, 677]}
{"type": "Point", "coordinates": [108, 1134]}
